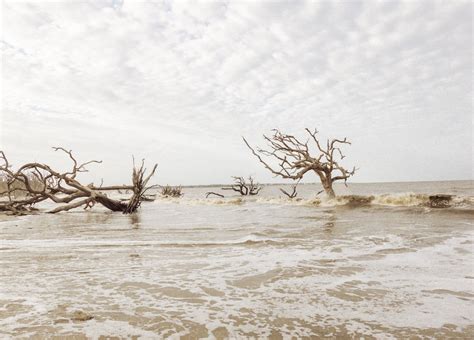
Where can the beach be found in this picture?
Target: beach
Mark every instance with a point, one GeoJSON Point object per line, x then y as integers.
{"type": "Point", "coordinates": [246, 267]}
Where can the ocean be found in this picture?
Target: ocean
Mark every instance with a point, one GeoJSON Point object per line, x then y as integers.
{"type": "Point", "coordinates": [263, 266]}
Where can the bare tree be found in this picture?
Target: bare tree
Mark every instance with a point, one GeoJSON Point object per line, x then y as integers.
{"type": "Point", "coordinates": [33, 183]}
{"type": "Point", "coordinates": [243, 187]}
{"type": "Point", "coordinates": [295, 158]}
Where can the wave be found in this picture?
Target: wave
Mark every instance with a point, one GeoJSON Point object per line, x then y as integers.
{"type": "Point", "coordinates": [251, 239]}
{"type": "Point", "coordinates": [202, 201]}
{"type": "Point", "coordinates": [402, 199]}
{"type": "Point", "coordinates": [407, 199]}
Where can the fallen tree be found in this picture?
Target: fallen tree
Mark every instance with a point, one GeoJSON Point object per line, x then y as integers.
{"type": "Point", "coordinates": [243, 187]}
{"type": "Point", "coordinates": [295, 158]}
{"type": "Point", "coordinates": [33, 183]}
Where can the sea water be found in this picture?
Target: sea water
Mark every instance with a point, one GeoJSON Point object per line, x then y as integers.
{"type": "Point", "coordinates": [246, 267]}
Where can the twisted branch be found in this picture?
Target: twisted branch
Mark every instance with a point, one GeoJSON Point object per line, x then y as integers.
{"type": "Point", "coordinates": [33, 183]}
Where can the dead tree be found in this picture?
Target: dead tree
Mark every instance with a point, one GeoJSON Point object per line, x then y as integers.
{"type": "Point", "coordinates": [243, 187]}
{"type": "Point", "coordinates": [295, 158]}
{"type": "Point", "coordinates": [139, 187]}
{"type": "Point", "coordinates": [33, 183]}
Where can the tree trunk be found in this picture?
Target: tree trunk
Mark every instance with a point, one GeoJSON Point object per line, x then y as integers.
{"type": "Point", "coordinates": [327, 185]}
{"type": "Point", "coordinates": [111, 204]}
{"type": "Point", "coordinates": [326, 181]}
{"type": "Point", "coordinates": [330, 192]}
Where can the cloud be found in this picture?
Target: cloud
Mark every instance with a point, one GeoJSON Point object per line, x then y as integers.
{"type": "Point", "coordinates": [180, 82]}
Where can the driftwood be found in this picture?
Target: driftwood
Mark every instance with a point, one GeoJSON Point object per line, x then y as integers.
{"type": "Point", "coordinates": [243, 187]}
{"type": "Point", "coordinates": [293, 192]}
{"type": "Point", "coordinates": [169, 191]}
{"type": "Point", "coordinates": [33, 183]}
{"type": "Point", "coordinates": [213, 193]}
{"type": "Point", "coordinates": [295, 158]}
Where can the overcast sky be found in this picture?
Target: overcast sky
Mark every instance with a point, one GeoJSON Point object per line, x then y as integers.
{"type": "Point", "coordinates": [179, 83]}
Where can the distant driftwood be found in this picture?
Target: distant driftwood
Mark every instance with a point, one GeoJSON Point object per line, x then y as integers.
{"type": "Point", "coordinates": [213, 193]}
{"type": "Point", "coordinates": [33, 183]}
{"type": "Point", "coordinates": [243, 187]}
{"type": "Point", "coordinates": [169, 191]}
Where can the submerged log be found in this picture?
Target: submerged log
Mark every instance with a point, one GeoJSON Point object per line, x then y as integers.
{"type": "Point", "coordinates": [213, 193]}
{"type": "Point", "coordinates": [36, 182]}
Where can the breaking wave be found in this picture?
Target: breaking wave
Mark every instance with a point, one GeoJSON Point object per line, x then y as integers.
{"type": "Point", "coordinates": [407, 199]}
{"type": "Point", "coordinates": [203, 201]}
{"type": "Point", "coordinates": [403, 199]}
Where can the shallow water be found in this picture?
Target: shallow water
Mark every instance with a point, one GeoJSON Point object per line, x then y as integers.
{"type": "Point", "coordinates": [256, 267]}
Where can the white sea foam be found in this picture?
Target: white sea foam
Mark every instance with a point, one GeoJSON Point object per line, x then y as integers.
{"type": "Point", "coordinates": [401, 199]}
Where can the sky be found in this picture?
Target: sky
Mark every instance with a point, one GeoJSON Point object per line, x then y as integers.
{"type": "Point", "coordinates": [179, 83]}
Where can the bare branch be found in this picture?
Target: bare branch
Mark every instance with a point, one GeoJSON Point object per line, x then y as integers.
{"type": "Point", "coordinates": [35, 182]}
